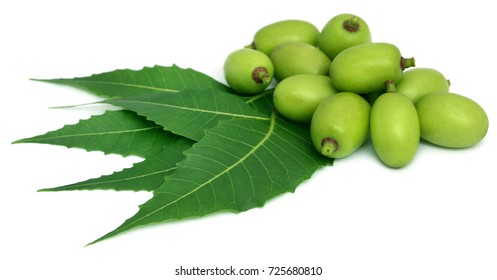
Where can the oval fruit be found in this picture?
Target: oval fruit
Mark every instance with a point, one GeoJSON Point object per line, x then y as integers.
{"type": "Point", "coordinates": [365, 68]}
{"type": "Point", "coordinates": [340, 124]}
{"type": "Point", "coordinates": [248, 71]}
{"type": "Point", "coordinates": [270, 36]}
{"type": "Point", "coordinates": [394, 129]}
{"type": "Point", "coordinates": [451, 120]}
{"type": "Point", "coordinates": [342, 32]}
{"type": "Point", "coordinates": [298, 58]}
{"type": "Point", "coordinates": [417, 82]}
{"type": "Point", "coordinates": [297, 97]}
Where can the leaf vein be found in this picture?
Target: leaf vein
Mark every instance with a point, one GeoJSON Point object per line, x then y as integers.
{"type": "Point", "coordinates": [196, 110]}
{"type": "Point", "coordinates": [128, 85]}
{"type": "Point", "coordinates": [240, 161]}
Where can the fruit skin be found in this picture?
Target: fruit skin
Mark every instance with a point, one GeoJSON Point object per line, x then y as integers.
{"type": "Point", "coordinates": [270, 36]}
{"type": "Point", "coordinates": [417, 82]}
{"type": "Point", "coordinates": [297, 97]}
{"type": "Point", "coordinates": [394, 127]}
{"type": "Point", "coordinates": [451, 120]}
{"type": "Point", "coordinates": [365, 68]}
{"type": "Point", "coordinates": [342, 32]}
{"type": "Point", "coordinates": [248, 71]}
{"type": "Point", "coordinates": [298, 58]}
{"type": "Point", "coordinates": [340, 124]}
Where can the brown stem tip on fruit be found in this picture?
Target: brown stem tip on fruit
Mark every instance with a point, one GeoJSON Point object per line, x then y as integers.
{"type": "Point", "coordinates": [260, 75]}
{"type": "Point", "coordinates": [351, 25]}
{"type": "Point", "coordinates": [390, 86]}
{"type": "Point", "coordinates": [328, 146]}
{"type": "Point", "coordinates": [407, 62]}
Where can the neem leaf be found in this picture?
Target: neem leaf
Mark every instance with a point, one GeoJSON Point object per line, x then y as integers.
{"type": "Point", "coordinates": [243, 156]}
{"type": "Point", "coordinates": [189, 112]}
{"type": "Point", "coordinates": [117, 132]}
{"type": "Point", "coordinates": [262, 102]}
{"type": "Point", "coordinates": [238, 165]}
{"type": "Point", "coordinates": [143, 176]}
{"type": "Point", "coordinates": [157, 79]}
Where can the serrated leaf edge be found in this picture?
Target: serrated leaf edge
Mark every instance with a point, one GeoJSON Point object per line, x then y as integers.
{"type": "Point", "coordinates": [80, 185]}
{"type": "Point", "coordinates": [123, 227]}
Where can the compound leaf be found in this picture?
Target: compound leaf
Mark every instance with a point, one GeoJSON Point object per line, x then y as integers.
{"type": "Point", "coordinates": [238, 165]}
{"type": "Point", "coordinates": [206, 150]}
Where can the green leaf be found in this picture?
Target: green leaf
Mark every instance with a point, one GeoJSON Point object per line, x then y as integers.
{"type": "Point", "coordinates": [243, 156]}
{"type": "Point", "coordinates": [188, 113]}
{"type": "Point", "coordinates": [262, 102]}
{"type": "Point", "coordinates": [143, 176]}
{"type": "Point", "coordinates": [157, 79]}
{"type": "Point", "coordinates": [238, 165]}
{"type": "Point", "coordinates": [117, 132]}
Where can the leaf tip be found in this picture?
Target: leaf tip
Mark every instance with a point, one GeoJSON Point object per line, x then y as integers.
{"type": "Point", "coordinates": [22, 141]}
{"type": "Point", "coordinates": [100, 239]}
{"type": "Point", "coordinates": [91, 243]}
{"type": "Point", "coordinates": [41, 80]}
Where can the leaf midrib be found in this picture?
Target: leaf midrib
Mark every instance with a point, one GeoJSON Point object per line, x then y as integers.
{"type": "Point", "coordinates": [241, 160]}
{"type": "Point", "coordinates": [194, 109]}
{"type": "Point", "coordinates": [92, 134]}
{"type": "Point", "coordinates": [79, 185]}
{"type": "Point", "coordinates": [117, 84]}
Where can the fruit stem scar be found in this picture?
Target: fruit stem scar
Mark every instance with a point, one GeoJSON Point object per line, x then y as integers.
{"type": "Point", "coordinates": [390, 86]}
{"type": "Point", "coordinates": [328, 146]}
{"type": "Point", "coordinates": [260, 75]}
{"type": "Point", "coordinates": [351, 25]}
{"type": "Point", "coordinates": [407, 62]}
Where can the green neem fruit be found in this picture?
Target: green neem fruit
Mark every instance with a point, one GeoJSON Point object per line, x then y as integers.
{"type": "Point", "coordinates": [451, 120]}
{"type": "Point", "coordinates": [341, 32]}
{"type": "Point", "coordinates": [248, 71]}
{"type": "Point", "coordinates": [270, 36]}
{"type": "Point", "coordinates": [340, 124]}
{"type": "Point", "coordinates": [417, 82]}
{"type": "Point", "coordinates": [297, 97]}
{"type": "Point", "coordinates": [365, 68]}
{"type": "Point", "coordinates": [298, 58]}
{"type": "Point", "coordinates": [394, 129]}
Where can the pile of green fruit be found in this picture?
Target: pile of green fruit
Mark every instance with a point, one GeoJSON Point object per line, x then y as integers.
{"type": "Point", "coordinates": [347, 87]}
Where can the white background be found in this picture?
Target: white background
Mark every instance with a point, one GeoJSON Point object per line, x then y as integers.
{"type": "Point", "coordinates": [435, 219]}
